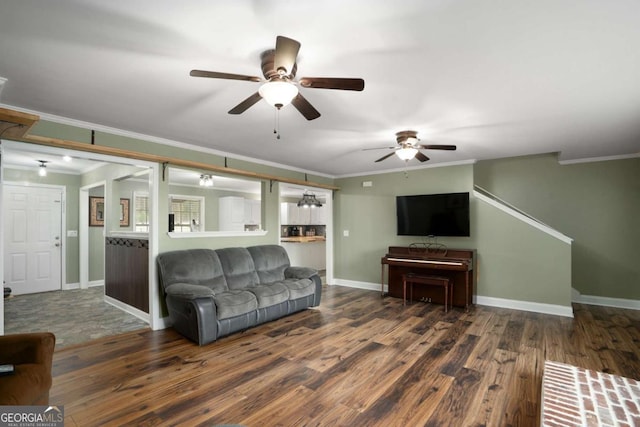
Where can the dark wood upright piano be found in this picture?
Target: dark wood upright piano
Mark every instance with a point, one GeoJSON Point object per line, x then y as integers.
{"type": "Point", "coordinates": [456, 264]}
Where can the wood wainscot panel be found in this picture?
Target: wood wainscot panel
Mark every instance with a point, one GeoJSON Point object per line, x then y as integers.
{"type": "Point", "coordinates": [127, 271]}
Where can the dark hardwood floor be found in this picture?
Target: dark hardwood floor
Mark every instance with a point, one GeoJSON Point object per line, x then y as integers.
{"type": "Point", "coordinates": [357, 360]}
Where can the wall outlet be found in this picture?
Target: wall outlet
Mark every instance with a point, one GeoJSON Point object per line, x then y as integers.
{"type": "Point", "coordinates": [345, 233]}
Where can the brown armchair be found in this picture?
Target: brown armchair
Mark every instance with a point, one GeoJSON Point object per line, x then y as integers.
{"type": "Point", "coordinates": [32, 356]}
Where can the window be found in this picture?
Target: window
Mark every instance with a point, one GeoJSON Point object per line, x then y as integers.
{"type": "Point", "coordinates": [141, 212]}
{"type": "Point", "coordinates": [188, 213]}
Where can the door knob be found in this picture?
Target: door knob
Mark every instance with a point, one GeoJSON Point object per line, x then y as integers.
{"type": "Point", "coordinates": [57, 245]}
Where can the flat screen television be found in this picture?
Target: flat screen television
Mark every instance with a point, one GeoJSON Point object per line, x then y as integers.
{"type": "Point", "coordinates": [433, 215]}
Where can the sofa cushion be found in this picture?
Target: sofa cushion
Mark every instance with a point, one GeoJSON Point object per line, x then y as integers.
{"type": "Point", "coordinates": [194, 266]}
{"type": "Point", "coordinates": [234, 303]}
{"type": "Point", "coordinates": [238, 267]}
{"type": "Point", "coordinates": [271, 294]}
{"type": "Point", "coordinates": [270, 262]}
{"type": "Point", "coordinates": [299, 288]}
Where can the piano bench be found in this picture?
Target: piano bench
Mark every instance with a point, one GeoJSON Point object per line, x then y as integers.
{"type": "Point", "coordinates": [444, 282]}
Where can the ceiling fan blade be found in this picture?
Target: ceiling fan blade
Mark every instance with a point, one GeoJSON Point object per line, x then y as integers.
{"type": "Point", "coordinates": [216, 75]}
{"type": "Point", "coordinates": [421, 157]}
{"type": "Point", "coordinates": [438, 147]}
{"type": "Point", "coordinates": [244, 105]}
{"type": "Point", "coordinates": [332, 83]}
{"type": "Point", "coordinates": [307, 110]}
{"type": "Point", "coordinates": [286, 54]}
{"type": "Point", "coordinates": [385, 157]}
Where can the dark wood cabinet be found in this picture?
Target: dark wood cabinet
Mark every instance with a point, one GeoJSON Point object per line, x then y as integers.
{"type": "Point", "coordinates": [127, 271]}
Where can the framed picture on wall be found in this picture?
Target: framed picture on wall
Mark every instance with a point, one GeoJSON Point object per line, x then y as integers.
{"type": "Point", "coordinates": [124, 212]}
{"type": "Point", "coordinates": [96, 211]}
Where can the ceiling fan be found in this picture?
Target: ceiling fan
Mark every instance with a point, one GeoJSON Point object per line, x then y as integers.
{"type": "Point", "coordinates": [408, 147]}
{"type": "Point", "coordinates": [279, 69]}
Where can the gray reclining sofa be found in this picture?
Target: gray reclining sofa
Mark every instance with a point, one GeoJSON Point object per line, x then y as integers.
{"type": "Point", "coordinates": [213, 293]}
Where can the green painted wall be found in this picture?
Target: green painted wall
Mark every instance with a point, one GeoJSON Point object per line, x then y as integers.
{"type": "Point", "coordinates": [515, 261]}
{"type": "Point", "coordinates": [519, 262]}
{"type": "Point", "coordinates": [595, 203]}
{"type": "Point", "coordinates": [369, 214]}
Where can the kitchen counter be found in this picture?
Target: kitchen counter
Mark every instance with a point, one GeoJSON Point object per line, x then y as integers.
{"type": "Point", "coordinates": [303, 239]}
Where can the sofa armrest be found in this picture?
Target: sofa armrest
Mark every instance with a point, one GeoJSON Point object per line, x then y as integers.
{"type": "Point", "coordinates": [36, 347]}
{"type": "Point", "coordinates": [299, 272]}
{"type": "Point", "coordinates": [188, 290]}
{"type": "Point", "coordinates": [193, 311]}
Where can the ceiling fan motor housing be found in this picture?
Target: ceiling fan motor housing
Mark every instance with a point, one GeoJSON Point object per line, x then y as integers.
{"type": "Point", "coordinates": [268, 66]}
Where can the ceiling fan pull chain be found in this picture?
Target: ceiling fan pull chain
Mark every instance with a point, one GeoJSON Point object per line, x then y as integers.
{"type": "Point", "coordinates": [276, 120]}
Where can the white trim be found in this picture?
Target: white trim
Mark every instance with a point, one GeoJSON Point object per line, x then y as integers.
{"type": "Point", "coordinates": [83, 228]}
{"type": "Point", "coordinates": [76, 285]}
{"type": "Point", "coordinates": [557, 310]}
{"type": "Point", "coordinates": [542, 227]}
{"type": "Point", "coordinates": [404, 169]}
{"type": "Point", "coordinates": [537, 307]}
{"type": "Point", "coordinates": [359, 285]}
{"type": "Point", "coordinates": [158, 140]}
{"type": "Point", "coordinates": [599, 159]}
{"type": "Point", "coordinates": [127, 308]}
{"type": "Point", "coordinates": [630, 304]}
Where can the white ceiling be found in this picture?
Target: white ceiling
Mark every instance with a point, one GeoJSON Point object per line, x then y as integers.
{"type": "Point", "coordinates": [497, 78]}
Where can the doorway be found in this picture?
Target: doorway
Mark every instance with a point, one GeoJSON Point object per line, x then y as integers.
{"type": "Point", "coordinates": [32, 238]}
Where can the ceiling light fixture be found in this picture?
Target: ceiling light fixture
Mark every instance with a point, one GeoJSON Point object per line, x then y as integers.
{"type": "Point", "coordinates": [278, 92]}
{"type": "Point", "coordinates": [309, 201]}
{"type": "Point", "coordinates": [67, 158]}
{"type": "Point", "coordinates": [206, 180]}
{"type": "Point", "coordinates": [42, 170]}
{"type": "Point", "coordinates": [407, 153]}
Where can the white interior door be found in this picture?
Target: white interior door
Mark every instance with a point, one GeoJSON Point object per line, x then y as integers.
{"type": "Point", "coordinates": [32, 238]}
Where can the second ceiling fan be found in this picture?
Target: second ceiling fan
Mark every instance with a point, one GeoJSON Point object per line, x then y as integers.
{"type": "Point", "coordinates": [408, 147]}
{"type": "Point", "coordinates": [280, 88]}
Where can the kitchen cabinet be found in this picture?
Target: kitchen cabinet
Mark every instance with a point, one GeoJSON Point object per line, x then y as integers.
{"type": "Point", "coordinates": [231, 213]}
{"type": "Point", "coordinates": [252, 212]}
{"type": "Point", "coordinates": [318, 216]}
{"type": "Point", "coordinates": [236, 212]}
{"type": "Point", "coordinates": [291, 214]}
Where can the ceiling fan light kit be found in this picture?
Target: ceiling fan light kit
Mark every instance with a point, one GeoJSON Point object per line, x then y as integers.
{"type": "Point", "coordinates": [278, 93]}
{"type": "Point", "coordinates": [407, 153]}
{"type": "Point", "coordinates": [408, 147]}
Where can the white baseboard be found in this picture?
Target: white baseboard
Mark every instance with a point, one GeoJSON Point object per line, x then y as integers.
{"type": "Point", "coordinates": [126, 307]}
{"type": "Point", "coordinates": [70, 286]}
{"type": "Point", "coordinates": [536, 307]}
{"type": "Point", "coordinates": [557, 310]}
{"type": "Point", "coordinates": [358, 285]}
{"type": "Point", "coordinates": [630, 304]}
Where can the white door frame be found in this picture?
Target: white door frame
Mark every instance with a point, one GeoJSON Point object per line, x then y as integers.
{"type": "Point", "coordinates": [83, 231]}
{"type": "Point", "coordinates": [328, 226]}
